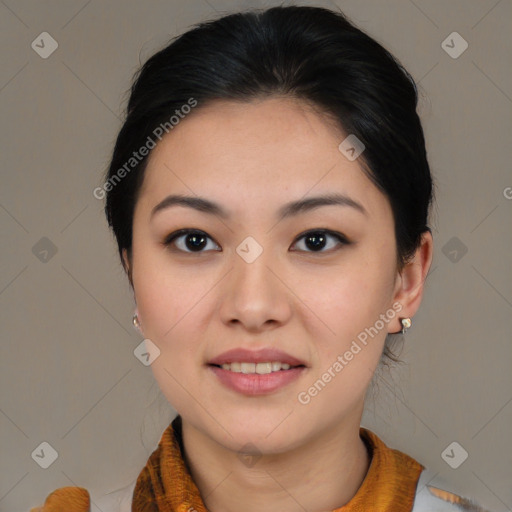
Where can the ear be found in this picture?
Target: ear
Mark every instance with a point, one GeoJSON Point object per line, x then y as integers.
{"type": "Point", "coordinates": [127, 265]}
{"type": "Point", "coordinates": [410, 281]}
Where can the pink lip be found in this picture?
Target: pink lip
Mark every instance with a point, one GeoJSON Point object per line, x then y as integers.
{"type": "Point", "coordinates": [256, 384]}
{"type": "Point", "coordinates": [242, 355]}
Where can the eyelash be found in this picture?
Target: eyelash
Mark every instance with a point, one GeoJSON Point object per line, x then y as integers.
{"type": "Point", "coordinates": [320, 231]}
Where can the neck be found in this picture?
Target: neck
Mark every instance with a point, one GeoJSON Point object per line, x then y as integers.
{"type": "Point", "coordinates": [322, 474]}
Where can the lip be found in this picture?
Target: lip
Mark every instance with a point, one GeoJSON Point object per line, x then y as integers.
{"type": "Point", "coordinates": [243, 355]}
{"type": "Point", "coordinates": [255, 384]}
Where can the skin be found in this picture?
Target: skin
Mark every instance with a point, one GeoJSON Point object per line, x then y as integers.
{"type": "Point", "coordinates": [252, 158]}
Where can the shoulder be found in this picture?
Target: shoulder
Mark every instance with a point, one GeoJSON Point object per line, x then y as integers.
{"type": "Point", "coordinates": [433, 499]}
{"type": "Point", "coordinates": [424, 496]}
{"type": "Point", "coordinates": [78, 499]}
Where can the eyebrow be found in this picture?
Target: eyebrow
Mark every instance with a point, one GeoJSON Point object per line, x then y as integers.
{"type": "Point", "coordinates": [287, 210]}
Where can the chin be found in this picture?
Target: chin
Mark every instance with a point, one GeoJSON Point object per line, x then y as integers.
{"type": "Point", "coordinates": [266, 430]}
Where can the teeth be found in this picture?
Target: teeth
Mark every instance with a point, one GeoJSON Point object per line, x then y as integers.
{"type": "Point", "coordinates": [259, 368]}
{"type": "Point", "coordinates": [235, 367]}
{"type": "Point", "coordinates": [248, 367]}
{"type": "Point", "coordinates": [263, 368]}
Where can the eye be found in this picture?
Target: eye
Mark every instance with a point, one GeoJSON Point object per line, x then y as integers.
{"type": "Point", "coordinates": [193, 240]}
{"type": "Point", "coordinates": [317, 240]}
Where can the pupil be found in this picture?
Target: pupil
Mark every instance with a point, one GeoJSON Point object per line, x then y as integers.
{"type": "Point", "coordinates": [198, 241]}
{"type": "Point", "coordinates": [318, 236]}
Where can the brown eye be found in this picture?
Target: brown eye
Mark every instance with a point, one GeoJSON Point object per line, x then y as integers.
{"type": "Point", "coordinates": [188, 240]}
{"type": "Point", "coordinates": [196, 241]}
{"type": "Point", "coordinates": [317, 240]}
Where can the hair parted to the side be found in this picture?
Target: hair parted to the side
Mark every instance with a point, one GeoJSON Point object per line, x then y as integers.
{"type": "Point", "coordinates": [308, 53]}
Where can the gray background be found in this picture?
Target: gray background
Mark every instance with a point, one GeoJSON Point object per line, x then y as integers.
{"type": "Point", "coordinates": [69, 376]}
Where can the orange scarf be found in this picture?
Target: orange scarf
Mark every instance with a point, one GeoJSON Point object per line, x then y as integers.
{"type": "Point", "coordinates": [165, 484]}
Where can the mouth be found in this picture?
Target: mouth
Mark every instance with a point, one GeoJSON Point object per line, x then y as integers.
{"type": "Point", "coordinates": [262, 368]}
{"type": "Point", "coordinates": [262, 361]}
{"type": "Point", "coordinates": [256, 379]}
{"type": "Point", "coordinates": [256, 372]}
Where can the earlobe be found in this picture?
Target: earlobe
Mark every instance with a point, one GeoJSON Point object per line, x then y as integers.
{"type": "Point", "coordinates": [411, 281]}
{"type": "Point", "coordinates": [136, 321]}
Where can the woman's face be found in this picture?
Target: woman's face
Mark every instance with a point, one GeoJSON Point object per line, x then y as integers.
{"type": "Point", "coordinates": [254, 279]}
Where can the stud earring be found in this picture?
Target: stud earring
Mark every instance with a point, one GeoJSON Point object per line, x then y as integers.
{"type": "Point", "coordinates": [135, 321]}
{"type": "Point", "coordinates": [406, 324]}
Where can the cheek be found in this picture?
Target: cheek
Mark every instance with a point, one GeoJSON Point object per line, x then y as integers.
{"type": "Point", "coordinates": [176, 303]}
{"type": "Point", "coordinates": [172, 312]}
{"type": "Point", "coordinates": [347, 304]}
{"type": "Point", "coordinates": [168, 303]}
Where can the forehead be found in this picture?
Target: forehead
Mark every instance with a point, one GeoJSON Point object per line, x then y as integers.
{"type": "Point", "coordinates": [282, 128]}
{"type": "Point", "coordinates": [266, 150]}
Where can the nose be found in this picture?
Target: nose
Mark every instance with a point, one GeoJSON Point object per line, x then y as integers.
{"type": "Point", "coordinates": [254, 294]}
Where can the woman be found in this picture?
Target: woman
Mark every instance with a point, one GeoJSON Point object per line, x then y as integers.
{"type": "Point", "coordinates": [269, 192]}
